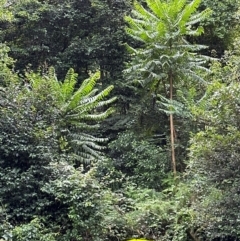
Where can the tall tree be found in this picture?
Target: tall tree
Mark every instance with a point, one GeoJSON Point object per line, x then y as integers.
{"type": "Point", "coordinates": [165, 58]}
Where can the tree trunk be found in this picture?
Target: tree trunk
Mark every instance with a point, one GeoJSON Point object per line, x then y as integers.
{"type": "Point", "coordinates": [172, 128]}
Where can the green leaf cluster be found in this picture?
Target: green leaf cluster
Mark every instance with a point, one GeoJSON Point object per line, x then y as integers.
{"type": "Point", "coordinates": [142, 162]}
{"type": "Point", "coordinates": [214, 155]}
{"type": "Point", "coordinates": [162, 30]}
{"type": "Point", "coordinates": [44, 121]}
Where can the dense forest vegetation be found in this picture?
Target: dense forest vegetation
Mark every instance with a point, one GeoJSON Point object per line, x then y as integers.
{"type": "Point", "coordinates": [119, 119]}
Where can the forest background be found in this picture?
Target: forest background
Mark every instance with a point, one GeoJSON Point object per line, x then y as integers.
{"type": "Point", "coordinates": [119, 120]}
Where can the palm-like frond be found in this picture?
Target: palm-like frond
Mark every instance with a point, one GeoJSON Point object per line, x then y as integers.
{"type": "Point", "coordinates": [198, 17]}
{"type": "Point", "coordinates": [80, 111]}
{"type": "Point", "coordinates": [159, 8]}
{"type": "Point", "coordinates": [173, 107]}
{"type": "Point", "coordinates": [54, 85]}
{"type": "Point", "coordinates": [68, 86]}
{"type": "Point", "coordinates": [86, 148]}
{"type": "Point", "coordinates": [99, 117]}
{"type": "Point", "coordinates": [141, 11]}
{"type": "Point", "coordinates": [81, 107]}
{"type": "Point", "coordinates": [85, 88]}
{"type": "Point", "coordinates": [188, 10]}
{"type": "Point", "coordinates": [162, 27]}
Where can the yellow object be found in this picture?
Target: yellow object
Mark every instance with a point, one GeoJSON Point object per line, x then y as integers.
{"type": "Point", "coordinates": [138, 239]}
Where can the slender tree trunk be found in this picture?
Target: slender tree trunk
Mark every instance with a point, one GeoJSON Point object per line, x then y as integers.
{"type": "Point", "coordinates": [172, 127]}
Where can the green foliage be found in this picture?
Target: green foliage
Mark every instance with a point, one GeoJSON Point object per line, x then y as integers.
{"type": "Point", "coordinates": [214, 155]}
{"type": "Point", "coordinates": [159, 215]}
{"type": "Point", "coordinates": [5, 226]}
{"type": "Point", "coordinates": [55, 183]}
{"type": "Point", "coordinates": [5, 14]}
{"type": "Point", "coordinates": [85, 35]}
{"type": "Point", "coordinates": [86, 204]}
{"type": "Point", "coordinates": [33, 231]}
{"type": "Point", "coordinates": [82, 35]}
{"type": "Point", "coordinates": [165, 61]}
{"type": "Point", "coordinates": [78, 112]}
{"type": "Point", "coordinates": [109, 175]}
{"type": "Point", "coordinates": [40, 125]}
{"type": "Point", "coordinates": [162, 30]}
{"type": "Point", "coordinates": [28, 144]}
{"type": "Point", "coordinates": [6, 63]}
{"type": "Point", "coordinates": [221, 26]}
{"type": "Point", "coordinates": [144, 163]}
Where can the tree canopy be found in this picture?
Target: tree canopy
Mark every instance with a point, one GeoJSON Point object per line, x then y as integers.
{"type": "Point", "coordinates": [119, 120]}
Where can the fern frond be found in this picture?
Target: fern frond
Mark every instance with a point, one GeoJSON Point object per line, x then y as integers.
{"type": "Point", "coordinates": [198, 17]}
{"type": "Point", "coordinates": [176, 7]}
{"type": "Point", "coordinates": [130, 49]}
{"type": "Point", "coordinates": [88, 144]}
{"type": "Point", "coordinates": [146, 15]}
{"type": "Point", "coordinates": [89, 104]}
{"type": "Point", "coordinates": [51, 73]}
{"type": "Point", "coordinates": [54, 85]}
{"type": "Point", "coordinates": [91, 151]}
{"type": "Point", "coordinates": [88, 137]}
{"type": "Point", "coordinates": [97, 97]}
{"type": "Point", "coordinates": [75, 112]}
{"type": "Point", "coordinates": [106, 102]}
{"type": "Point", "coordinates": [84, 115]}
{"type": "Point", "coordinates": [69, 84]}
{"type": "Point", "coordinates": [100, 116]}
{"type": "Point", "coordinates": [134, 34]}
{"type": "Point", "coordinates": [82, 158]}
{"type": "Point", "coordinates": [85, 88]}
{"type": "Point", "coordinates": [158, 8]}
{"type": "Point", "coordinates": [189, 10]}
{"type": "Point", "coordinates": [132, 23]}
{"type": "Point", "coordinates": [196, 32]}
{"type": "Point", "coordinates": [83, 126]}
{"type": "Point", "coordinates": [86, 155]}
